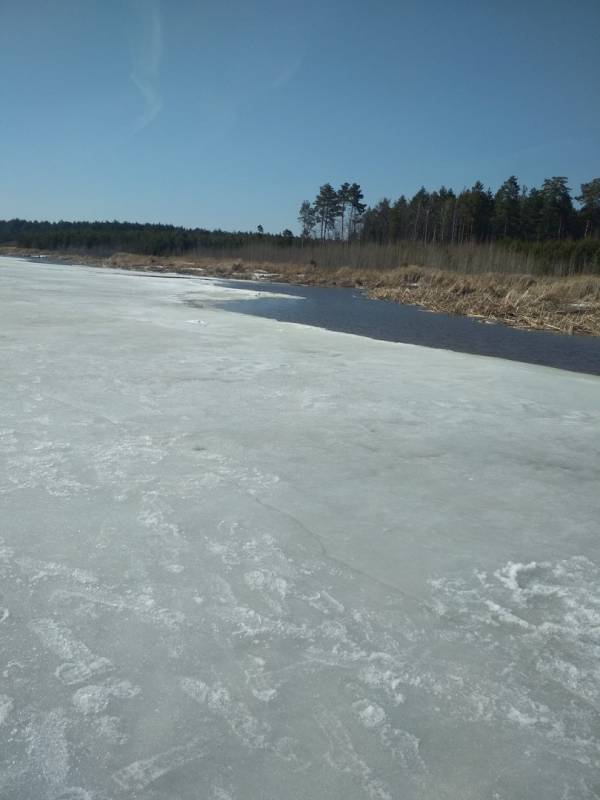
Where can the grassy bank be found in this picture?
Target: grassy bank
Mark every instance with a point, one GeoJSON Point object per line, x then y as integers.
{"type": "Point", "coordinates": [566, 304]}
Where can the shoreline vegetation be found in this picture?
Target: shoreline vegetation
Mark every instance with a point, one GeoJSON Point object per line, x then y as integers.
{"type": "Point", "coordinates": [507, 292]}
{"type": "Point", "coordinates": [522, 256]}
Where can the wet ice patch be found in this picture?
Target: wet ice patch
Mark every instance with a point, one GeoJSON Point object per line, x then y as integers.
{"type": "Point", "coordinates": [538, 626]}
{"type": "Point", "coordinates": [95, 698]}
{"type": "Point", "coordinates": [343, 757]}
{"type": "Point", "coordinates": [263, 580]}
{"type": "Point", "coordinates": [381, 677]}
{"type": "Point", "coordinates": [6, 706]}
{"type": "Point", "coordinates": [81, 664]}
{"type": "Point", "coordinates": [75, 793]}
{"type": "Point", "coordinates": [222, 470]}
{"type": "Point", "coordinates": [142, 605]}
{"type": "Point", "coordinates": [214, 289]}
{"type": "Point", "coordinates": [44, 465]}
{"type": "Point", "coordinates": [325, 603]}
{"type": "Point", "coordinates": [42, 570]}
{"type": "Point", "coordinates": [6, 552]}
{"type": "Point", "coordinates": [265, 695]}
{"type": "Point", "coordinates": [48, 748]}
{"type": "Point", "coordinates": [237, 716]}
{"type": "Point", "coordinates": [175, 569]}
{"type": "Point", "coordinates": [135, 777]}
{"type": "Point", "coordinates": [218, 793]}
{"type": "Point", "coordinates": [370, 714]}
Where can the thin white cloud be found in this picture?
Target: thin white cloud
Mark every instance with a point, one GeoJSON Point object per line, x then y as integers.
{"type": "Point", "coordinates": [147, 57]}
{"type": "Point", "coordinates": [288, 72]}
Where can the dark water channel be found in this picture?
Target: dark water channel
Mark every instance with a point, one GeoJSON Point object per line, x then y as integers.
{"type": "Point", "coordinates": [349, 311]}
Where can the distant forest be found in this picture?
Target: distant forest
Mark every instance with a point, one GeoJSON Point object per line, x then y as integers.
{"type": "Point", "coordinates": [132, 237]}
{"type": "Point", "coordinates": [545, 228]}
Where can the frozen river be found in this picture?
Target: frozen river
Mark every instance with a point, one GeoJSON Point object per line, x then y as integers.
{"type": "Point", "coordinates": [250, 560]}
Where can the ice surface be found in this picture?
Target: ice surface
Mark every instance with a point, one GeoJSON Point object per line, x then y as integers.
{"type": "Point", "coordinates": [246, 560]}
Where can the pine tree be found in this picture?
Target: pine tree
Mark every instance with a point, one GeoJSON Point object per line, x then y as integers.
{"type": "Point", "coordinates": [590, 211]}
{"type": "Point", "coordinates": [447, 205]}
{"type": "Point", "coordinates": [557, 208]}
{"type": "Point", "coordinates": [307, 218]}
{"type": "Point", "coordinates": [507, 207]}
{"type": "Point", "coordinates": [530, 214]}
{"type": "Point", "coordinates": [418, 206]}
{"type": "Point", "coordinates": [398, 227]}
{"type": "Point", "coordinates": [343, 200]}
{"type": "Point", "coordinates": [327, 209]}
{"type": "Point", "coordinates": [357, 209]}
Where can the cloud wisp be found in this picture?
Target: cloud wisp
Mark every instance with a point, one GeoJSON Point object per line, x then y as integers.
{"type": "Point", "coordinates": [147, 58]}
{"type": "Point", "coordinates": [289, 71]}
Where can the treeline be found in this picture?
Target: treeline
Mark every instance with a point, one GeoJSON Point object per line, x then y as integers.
{"type": "Point", "coordinates": [514, 213]}
{"type": "Point", "coordinates": [146, 239]}
{"type": "Point", "coordinates": [542, 230]}
{"type": "Point", "coordinates": [476, 214]}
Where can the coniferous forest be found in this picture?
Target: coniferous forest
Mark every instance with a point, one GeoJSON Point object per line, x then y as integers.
{"type": "Point", "coordinates": [477, 214]}
{"type": "Point", "coordinates": [553, 228]}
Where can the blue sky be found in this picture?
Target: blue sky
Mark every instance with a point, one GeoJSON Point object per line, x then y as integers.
{"type": "Point", "coordinates": [228, 114]}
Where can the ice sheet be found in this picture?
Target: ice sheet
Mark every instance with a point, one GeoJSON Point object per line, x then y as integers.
{"type": "Point", "coordinates": [245, 560]}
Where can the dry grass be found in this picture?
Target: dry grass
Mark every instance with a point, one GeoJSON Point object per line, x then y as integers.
{"type": "Point", "coordinates": [566, 305]}
{"type": "Point", "coordinates": [563, 304]}
{"type": "Point", "coordinates": [468, 258]}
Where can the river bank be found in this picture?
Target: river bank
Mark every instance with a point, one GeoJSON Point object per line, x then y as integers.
{"type": "Point", "coordinates": [568, 305]}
